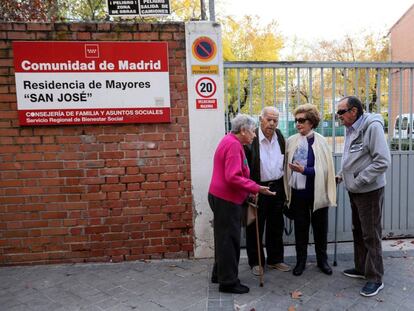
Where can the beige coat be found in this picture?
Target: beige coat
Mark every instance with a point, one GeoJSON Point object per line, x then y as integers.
{"type": "Point", "coordinates": [325, 187]}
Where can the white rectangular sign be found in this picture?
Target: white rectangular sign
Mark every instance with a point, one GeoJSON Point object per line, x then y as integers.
{"type": "Point", "coordinates": [92, 82]}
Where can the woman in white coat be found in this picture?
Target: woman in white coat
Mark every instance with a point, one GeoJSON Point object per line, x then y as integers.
{"type": "Point", "coordinates": [310, 186]}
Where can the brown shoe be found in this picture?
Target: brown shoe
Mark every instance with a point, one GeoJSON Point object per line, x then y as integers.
{"type": "Point", "coordinates": [281, 266]}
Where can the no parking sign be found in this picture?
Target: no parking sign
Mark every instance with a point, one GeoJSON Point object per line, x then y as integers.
{"type": "Point", "coordinates": [204, 49]}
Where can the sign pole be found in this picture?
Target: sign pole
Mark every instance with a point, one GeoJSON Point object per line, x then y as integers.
{"type": "Point", "coordinates": [203, 10]}
{"type": "Point", "coordinates": [212, 10]}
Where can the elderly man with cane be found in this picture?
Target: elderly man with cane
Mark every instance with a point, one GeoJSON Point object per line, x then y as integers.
{"type": "Point", "coordinates": [266, 159]}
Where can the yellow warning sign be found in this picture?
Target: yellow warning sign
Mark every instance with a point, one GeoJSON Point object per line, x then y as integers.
{"type": "Point", "coordinates": [205, 69]}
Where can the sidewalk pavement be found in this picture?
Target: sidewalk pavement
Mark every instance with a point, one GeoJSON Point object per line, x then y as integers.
{"type": "Point", "coordinates": [184, 285]}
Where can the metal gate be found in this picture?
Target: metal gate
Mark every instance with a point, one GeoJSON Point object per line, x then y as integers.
{"type": "Point", "coordinates": [385, 88]}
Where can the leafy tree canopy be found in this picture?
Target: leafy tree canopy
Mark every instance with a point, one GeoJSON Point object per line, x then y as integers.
{"type": "Point", "coordinates": [363, 47]}
{"type": "Point", "coordinates": [243, 39]}
{"type": "Point", "coordinates": [248, 40]}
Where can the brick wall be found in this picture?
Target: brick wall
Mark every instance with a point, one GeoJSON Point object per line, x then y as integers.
{"type": "Point", "coordinates": [94, 192]}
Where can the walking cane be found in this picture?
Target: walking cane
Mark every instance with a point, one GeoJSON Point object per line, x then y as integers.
{"type": "Point", "coordinates": [258, 243]}
{"type": "Point", "coordinates": [336, 227]}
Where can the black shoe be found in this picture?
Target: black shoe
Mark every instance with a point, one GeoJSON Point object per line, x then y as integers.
{"type": "Point", "coordinates": [325, 268]}
{"type": "Point", "coordinates": [214, 279]}
{"type": "Point", "coordinates": [371, 289]}
{"type": "Point", "coordinates": [300, 266]}
{"type": "Point", "coordinates": [234, 289]}
{"type": "Point", "coordinates": [354, 273]}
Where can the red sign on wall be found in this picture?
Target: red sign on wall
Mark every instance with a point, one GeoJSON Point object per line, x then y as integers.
{"type": "Point", "coordinates": [91, 82]}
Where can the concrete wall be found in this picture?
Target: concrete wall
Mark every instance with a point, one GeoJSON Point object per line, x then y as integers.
{"type": "Point", "coordinates": [95, 192]}
{"type": "Point", "coordinates": [206, 131]}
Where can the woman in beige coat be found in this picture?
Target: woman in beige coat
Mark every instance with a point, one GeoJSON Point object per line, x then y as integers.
{"type": "Point", "coordinates": [310, 186]}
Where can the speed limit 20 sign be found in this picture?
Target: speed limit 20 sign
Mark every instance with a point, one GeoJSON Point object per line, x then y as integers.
{"type": "Point", "coordinates": [206, 88]}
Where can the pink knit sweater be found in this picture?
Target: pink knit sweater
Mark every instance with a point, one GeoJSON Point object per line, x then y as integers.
{"type": "Point", "coordinates": [230, 180]}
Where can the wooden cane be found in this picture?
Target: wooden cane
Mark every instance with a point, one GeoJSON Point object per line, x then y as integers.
{"type": "Point", "coordinates": [258, 243]}
{"type": "Point", "coordinates": [336, 228]}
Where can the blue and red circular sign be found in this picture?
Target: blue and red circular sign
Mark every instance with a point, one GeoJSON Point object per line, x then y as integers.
{"type": "Point", "coordinates": [204, 49]}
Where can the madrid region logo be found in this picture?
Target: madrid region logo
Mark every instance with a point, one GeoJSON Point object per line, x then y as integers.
{"type": "Point", "coordinates": [91, 50]}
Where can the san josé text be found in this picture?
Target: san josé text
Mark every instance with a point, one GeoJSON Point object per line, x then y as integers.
{"type": "Point", "coordinates": [75, 85]}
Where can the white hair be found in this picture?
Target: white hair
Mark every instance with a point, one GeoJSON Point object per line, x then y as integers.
{"type": "Point", "coordinates": [266, 109]}
{"type": "Point", "coordinates": [242, 122]}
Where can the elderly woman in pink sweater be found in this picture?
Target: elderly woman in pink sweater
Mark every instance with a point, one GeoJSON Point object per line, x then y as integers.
{"type": "Point", "coordinates": [230, 186]}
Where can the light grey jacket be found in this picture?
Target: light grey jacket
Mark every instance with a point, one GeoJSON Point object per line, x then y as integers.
{"type": "Point", "coordinates": [363, 168]}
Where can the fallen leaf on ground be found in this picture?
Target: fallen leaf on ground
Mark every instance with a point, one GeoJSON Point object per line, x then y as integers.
{"type": "Point", "coordinates": [379, 300]}
{"type": "Point", "coordinates": [296, 294]}
{"type": "Point", "coordinates": [396, 243]}
{"type": "Point", "coordinates": [292, 308]}
{"type": "Point", "coordinates": [339, 295]}
{"type": "Point", "coordinates": [240, 307]}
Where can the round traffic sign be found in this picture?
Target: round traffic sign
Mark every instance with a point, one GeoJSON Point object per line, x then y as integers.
{"type": "Point", "coordinates": [205, 87]}
{"type": "Point", "coordinates": [204, 49]}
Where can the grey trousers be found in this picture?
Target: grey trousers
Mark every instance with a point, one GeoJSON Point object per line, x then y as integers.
{"type": "Point", "coordinates": [367, 232]}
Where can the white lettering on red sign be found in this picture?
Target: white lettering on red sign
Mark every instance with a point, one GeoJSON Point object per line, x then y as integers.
{"type": "Point", "coordinates": [61, 78]}
{"type": "Point", "coordinates": [206, 103]}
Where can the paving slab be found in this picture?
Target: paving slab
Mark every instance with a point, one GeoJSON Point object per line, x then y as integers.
{"type": "Point", "coordinates": [176, 285]}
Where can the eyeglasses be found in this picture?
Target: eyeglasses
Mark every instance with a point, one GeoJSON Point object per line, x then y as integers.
{"type": "Point", "coordinates": [343, 111]}
{"type": "Point", "coordinates": [300, 120]}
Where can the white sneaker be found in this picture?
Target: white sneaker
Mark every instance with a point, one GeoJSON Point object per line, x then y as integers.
{"type": "Point", "coordinates": [257, 270]}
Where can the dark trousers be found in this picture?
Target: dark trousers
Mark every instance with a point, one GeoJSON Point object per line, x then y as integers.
{"type": "Point", "coordinates": [367, 231]}
{"type": "Point", "coordinates": [303, 217]}
{"type": "Point", "coordinates": [270, 216]}
{"type": "Point", "coordinates": [227, 230]}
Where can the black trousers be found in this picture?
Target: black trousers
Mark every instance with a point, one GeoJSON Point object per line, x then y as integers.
{"type": "Point", "coordinates": [303, 217]}
{"type": "Point", "coordinates": [270, 216]}
{"type": "Point", "coordinates": [367, 232]}
{"type": "Point", "coordinates": [227, 230]}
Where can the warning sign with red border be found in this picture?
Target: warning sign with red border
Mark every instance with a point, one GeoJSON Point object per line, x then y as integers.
{"type": "Point", "coordinates": [205, 88]}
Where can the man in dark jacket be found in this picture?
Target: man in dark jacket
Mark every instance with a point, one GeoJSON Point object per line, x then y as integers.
{"type": "Point", "coordinates": [266, 159]}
